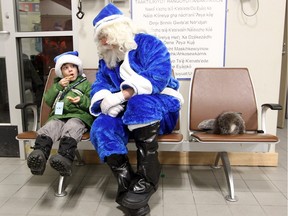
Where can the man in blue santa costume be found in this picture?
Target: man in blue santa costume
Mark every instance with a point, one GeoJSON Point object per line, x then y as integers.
{"type": "Point", "coordinates": [134, 95]}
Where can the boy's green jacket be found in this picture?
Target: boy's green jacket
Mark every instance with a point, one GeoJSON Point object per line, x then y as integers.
{"type": "Point", "coordinates": [71, 110]}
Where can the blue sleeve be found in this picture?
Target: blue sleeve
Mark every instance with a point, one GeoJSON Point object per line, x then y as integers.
{"type": "Point", "coordinates": [155, 61]}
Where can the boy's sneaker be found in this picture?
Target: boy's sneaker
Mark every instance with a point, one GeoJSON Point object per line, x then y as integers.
{"type": "Point", "coordinates": [61, 164]}
{"type": "Point", "coordinates": [36, 161]}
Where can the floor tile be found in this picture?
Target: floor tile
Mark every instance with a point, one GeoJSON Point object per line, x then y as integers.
{"type": "Point", "coordinates": [170, 171]}
{"type": "Point", "coordinates": [110, 208]}
{"type": "Point", "coordinates": [215, 210]}
{"type": "Point", "coordinates": [49, 207]}
{"type": "Point", "coordinates": [3, 200]}
{"type": "Point", "coordinates": [2, 177]}
{"type": "Point", "coordinates": [247, 210]}
{"type": "Point", "coordinates": [204, 184]}
{"type": "Point", "coordinates": [95, 181]}
{"type": "Point", "coordinates": [239, 185]}
{"type": "Point", "coordinates": [30, 192]}
{"type": "Point", "coordinates": [244, 198]}
{"type": "Point", "coordinates": [156, 210]}
{"type": "Point", "coordinates": [176, 183]}
{"type": "Point", "coordinates": [172, 197]}
{"type": "Point", "coordinates": [22, 169]}
{"type": "Point", "coordinates": [157, 197]}
{"type": "Point", "coordinates": [77, 208]}
{"type": "Point", "coordinates": [17, 206]}
{"type": "Point", "coordinates": [209, 197]}
{"type": "Point", "coordinates": [255, 185]}
{"type": "Point", "coordinates": [275, 210]}
{"type": "Point", "coordinates": [89, 194]}
{"type": "Point", "coordinates": [269, 198]}
{"type": "Point", "coordinates": [8, 190]}
{"type": "Point", "coordinates": [282, 186]}
{"type": "Point", "coordinates": [183, 190]}
{"type": "Point", "coordinates": [19, 179]}
{"type": "Point", "coordinates": [180, 209]}
{"type": "Point", "coordinates": [8, 168]}
{"type": "Point", "coordinates": [275, 173]}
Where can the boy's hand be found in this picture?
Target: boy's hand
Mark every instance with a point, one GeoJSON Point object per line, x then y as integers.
{"type": "Point", "coordinates": [64, 82]}
{"type": "Point", "coordinates": [73, 100]}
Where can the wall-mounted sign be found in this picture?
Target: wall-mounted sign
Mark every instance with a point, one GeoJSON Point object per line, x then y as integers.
{"type": "Point", "coordinates": [193, 30]}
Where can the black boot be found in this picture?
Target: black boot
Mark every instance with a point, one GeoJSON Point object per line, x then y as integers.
{"type": "Point", "coordinates": [62, 162]}
{"type": "Point", "coordinates": [36, 160]}
{"type": "Point", "coordinates": [148, 168]}
{"type": "Point", "coordinates": [139, 212]}
{"type": "Point", "coordinates": [123, 172]}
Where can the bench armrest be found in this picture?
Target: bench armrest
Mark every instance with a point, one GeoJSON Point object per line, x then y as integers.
{"type": "Point", "coordinates": [265, 107]}
{"type": "Point", "coordinates": [33, 107]}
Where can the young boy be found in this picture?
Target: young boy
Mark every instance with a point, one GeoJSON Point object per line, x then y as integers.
{"type": "Point", "coordinates": [69, 118]}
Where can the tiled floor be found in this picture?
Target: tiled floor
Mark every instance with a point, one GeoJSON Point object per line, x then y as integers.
{"type": "Point", "coordinates": [184, 190]}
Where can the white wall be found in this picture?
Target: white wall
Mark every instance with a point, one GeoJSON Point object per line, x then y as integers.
{"type": "Point", "coordinates": [253, 42]}
{"type": "Point", "coordinates": [1, 21]}
{"type": "Point", "coordinates": [256, 43]}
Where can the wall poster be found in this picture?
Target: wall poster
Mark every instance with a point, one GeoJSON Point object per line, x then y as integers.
{"type": "Point", "coordinates": [193, 30]}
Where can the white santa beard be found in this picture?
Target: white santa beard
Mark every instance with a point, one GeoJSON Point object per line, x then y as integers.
{"type": "Point", "coordinates": [110, 55]}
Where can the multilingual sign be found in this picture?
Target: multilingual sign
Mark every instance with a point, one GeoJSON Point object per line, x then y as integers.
{"type": "Point", "coordinates": [193, 30]}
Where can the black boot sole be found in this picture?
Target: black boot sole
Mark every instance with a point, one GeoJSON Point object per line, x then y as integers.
{"type": "Point", "coordinates": [60, 165]}
{"type": "Point", "coordinates": [142, 200]}
{"type": "Point", "coordinates": [36, 161]}
{"type": "Point", "coordinates": [132, 200]}
{"type": "Point", "coordinates": [139, 212]}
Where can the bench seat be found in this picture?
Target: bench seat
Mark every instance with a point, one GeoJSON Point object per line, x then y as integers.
{"type": "Point", "coordinates": [29, 136]}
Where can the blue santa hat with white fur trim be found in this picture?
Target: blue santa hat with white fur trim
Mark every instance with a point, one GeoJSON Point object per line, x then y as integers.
{"type": "Point", "coordinates": [108, 15]}
{"type": "Point", "coordinates": [67, 57]}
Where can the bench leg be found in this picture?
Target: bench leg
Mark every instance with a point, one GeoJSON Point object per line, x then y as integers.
{"type": "Point", "coordinates": [216, 163]}
{"type": "Point", "coordinates": [229, 177]}
{"type": "Point", "coordinates": [60, 192]}
{"type": "Point", "coordinates": [79, 162]}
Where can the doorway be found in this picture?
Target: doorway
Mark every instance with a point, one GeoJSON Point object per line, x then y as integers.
{"type": "Point", "coordinates": [283, 114]}
{"type": "Point", "coordinates": [27, 28]}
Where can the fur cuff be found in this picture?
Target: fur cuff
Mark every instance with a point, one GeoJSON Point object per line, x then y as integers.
{"type": "Point", "coordinates": [94, 106]}
{"type": "Point", "coordinates": [138, 83]}
{"type": "Point", "coordinates": [174, 93]}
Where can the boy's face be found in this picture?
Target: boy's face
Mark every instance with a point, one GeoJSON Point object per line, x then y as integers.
{"type": "Point", "coordinates": [70, 71]}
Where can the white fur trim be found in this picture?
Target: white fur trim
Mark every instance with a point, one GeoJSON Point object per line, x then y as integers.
{"type": "Point", "coordinates": [140, 84]}
{"type": "Point", "coordinates": [68, 59]}
{"type": "Point", "coordinates": [136, 126]}
{"type": "Point", "coordinates": [174, 93]}
{"type": "Point", "coordinates": [107, 19]}
{"type": "Point", "coordinates": [97, 97]}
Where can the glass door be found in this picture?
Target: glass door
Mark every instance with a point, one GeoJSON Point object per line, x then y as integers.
{"type": "Point", "coordinates": [32, 33]}
{"type": "Point", "coordinates": [9, 88]}
{"type": "Point", "coordinates": [4, 100]}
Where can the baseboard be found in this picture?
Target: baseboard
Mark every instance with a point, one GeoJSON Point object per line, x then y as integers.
{"type": "Point", "coordinates": [195, 158]}
{"type": "Point", "coordinates": [199, 158]}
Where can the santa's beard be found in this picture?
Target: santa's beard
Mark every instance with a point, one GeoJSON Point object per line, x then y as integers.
{"type": "Point", "coordinates": [111, 55]}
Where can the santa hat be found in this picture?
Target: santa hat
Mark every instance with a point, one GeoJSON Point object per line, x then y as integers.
{"type": "Point", "coordinates": [67, 57]}
{"type": "Point", "coordinates": [110, 14]}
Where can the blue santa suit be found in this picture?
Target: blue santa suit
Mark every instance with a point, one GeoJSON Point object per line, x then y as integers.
{"type": "Point", "coordinates": [147, 70]}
